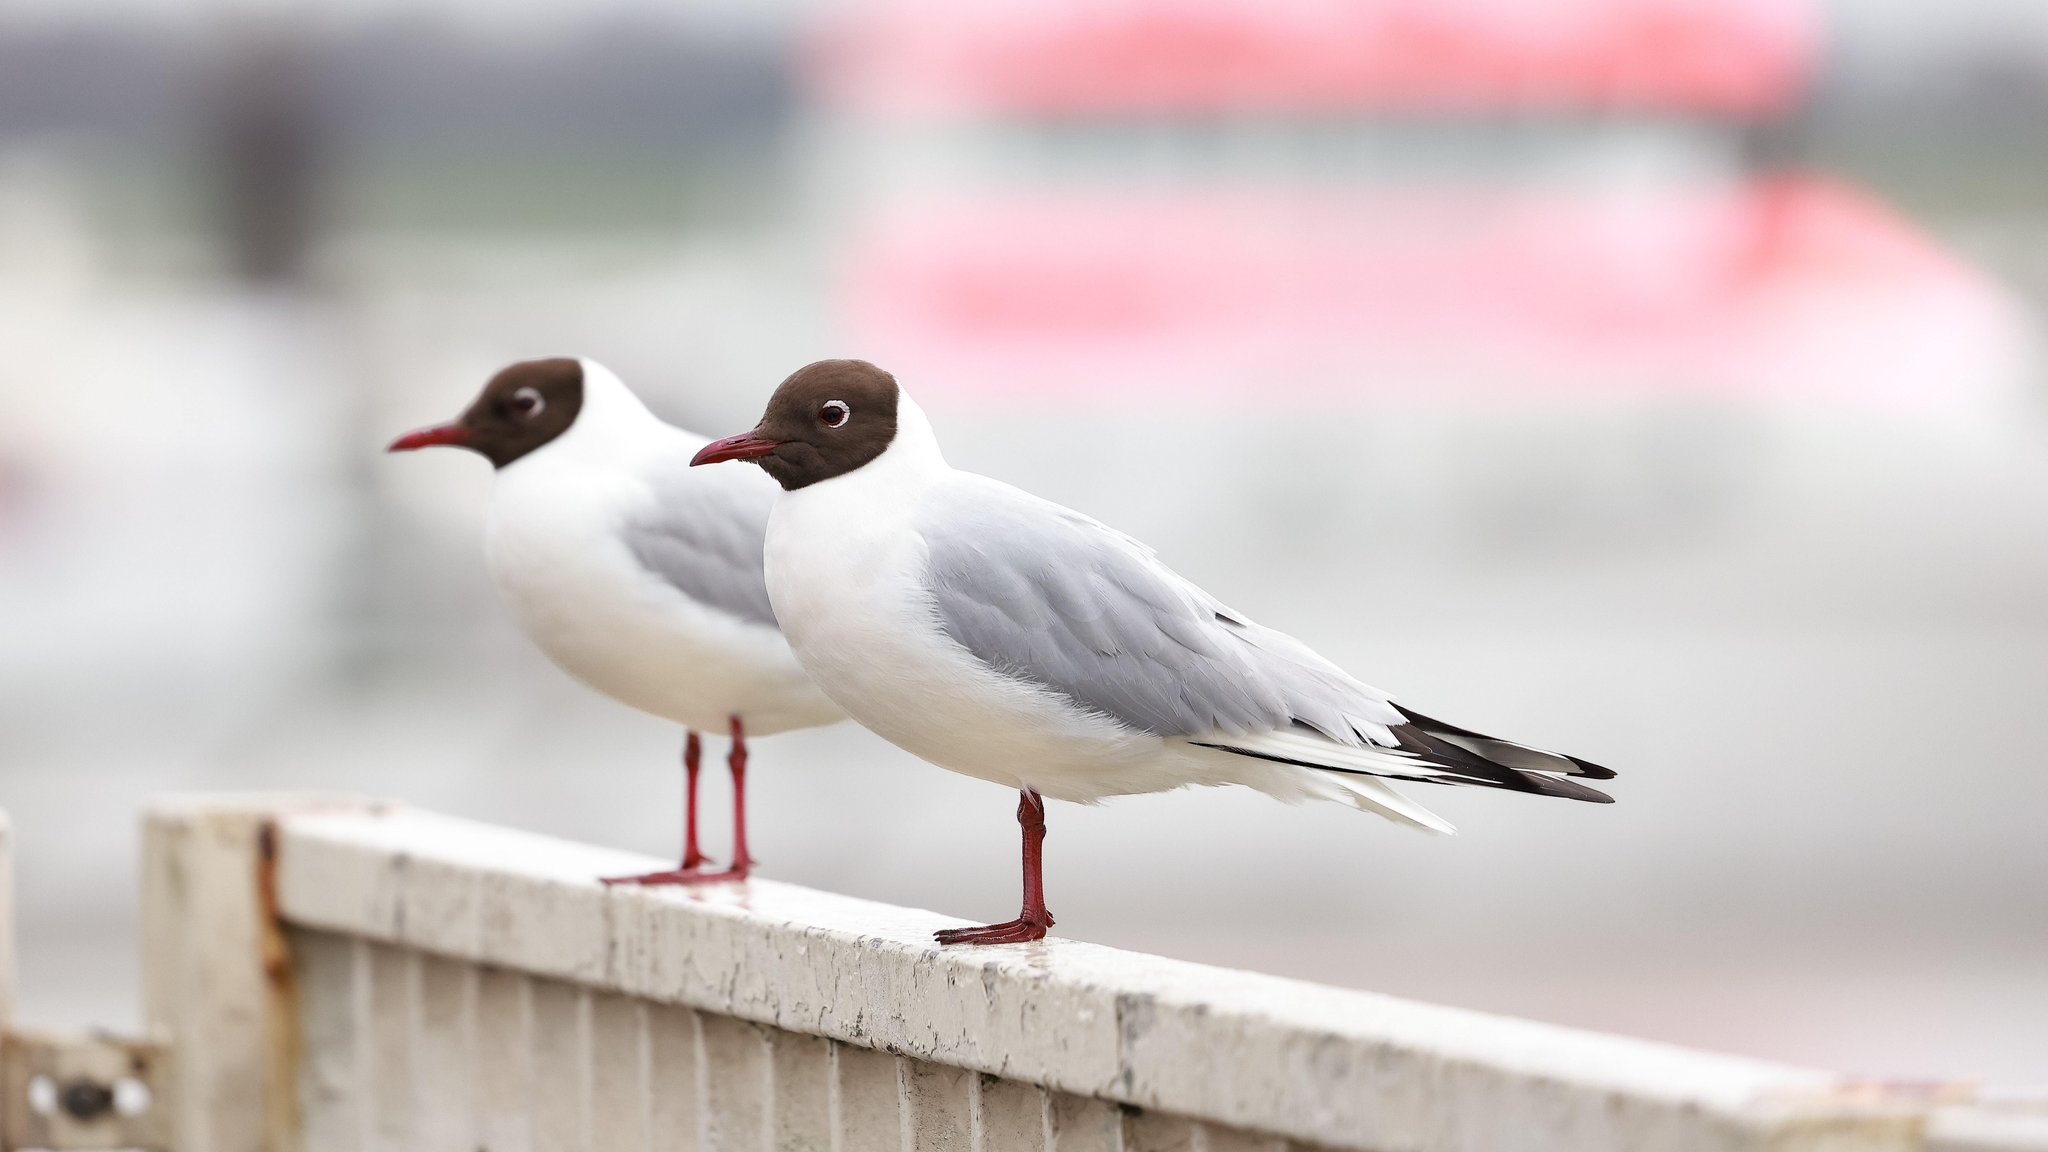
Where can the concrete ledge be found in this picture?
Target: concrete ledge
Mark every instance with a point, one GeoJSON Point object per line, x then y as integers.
{"type": "Point", "coordinates": [1323, 1065]}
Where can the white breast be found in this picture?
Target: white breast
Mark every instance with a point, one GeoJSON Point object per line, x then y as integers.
{"type": "Point", "coordinates": [846, 571]}
{"type": "Point", "coordinates": [552, 537]}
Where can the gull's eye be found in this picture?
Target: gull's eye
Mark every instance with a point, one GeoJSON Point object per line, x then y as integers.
{"type": "Point", "coordinates": [834, 413]}
{"type": "Point", "coordinates": [528, 402]}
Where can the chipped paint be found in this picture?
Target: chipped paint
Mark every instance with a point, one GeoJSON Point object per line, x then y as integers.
{"type": "Point", "coordinates": [281, 1004]}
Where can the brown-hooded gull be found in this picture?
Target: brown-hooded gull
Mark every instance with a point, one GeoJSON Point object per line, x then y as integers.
{"type": "Point", "coordinates": [1010, 639]}
{"type": "Point", "coordinates": [635, 573]}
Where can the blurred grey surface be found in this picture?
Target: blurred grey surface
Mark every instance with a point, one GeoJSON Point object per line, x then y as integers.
{"type": "Point", "coordinates": [238, 253]}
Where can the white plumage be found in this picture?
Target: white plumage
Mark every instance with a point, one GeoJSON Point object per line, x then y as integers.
{"type": "Point", "coordinates": [847, 567]}
{"type": "Point", "coordinates": [1010, 639]}
{"type": "Point", "coordinates": [559, 534]}
{"type": "Point", "coordinates": [635, 573]}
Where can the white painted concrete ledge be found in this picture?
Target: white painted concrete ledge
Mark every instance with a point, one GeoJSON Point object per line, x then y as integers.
{"type": "Point", "coordinates": [1320, 1065]}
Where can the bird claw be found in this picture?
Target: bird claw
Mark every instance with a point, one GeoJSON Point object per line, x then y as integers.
{"type": "Point", "coordinates": [689, 874]}
{"type": "Point", "coordinates": [1016, 931]}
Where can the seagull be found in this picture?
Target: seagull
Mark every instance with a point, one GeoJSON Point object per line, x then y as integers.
{"type": "Point", "coordinates": [1007, 638]}
{"type": "Point", "coordinates": [636, 575]}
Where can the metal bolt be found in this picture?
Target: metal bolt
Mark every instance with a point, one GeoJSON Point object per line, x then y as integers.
{"type": "Point", "coordinates": [86, 1099]}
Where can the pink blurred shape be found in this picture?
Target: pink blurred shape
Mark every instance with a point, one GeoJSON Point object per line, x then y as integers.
{"type": "Point", "coordinates": [1743, 58]}
{"type": "Point", "coordinates": [1793, 286]}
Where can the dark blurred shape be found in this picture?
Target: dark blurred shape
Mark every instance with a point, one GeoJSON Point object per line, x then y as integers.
{"type": "Point", "coordinates": [266, 140]}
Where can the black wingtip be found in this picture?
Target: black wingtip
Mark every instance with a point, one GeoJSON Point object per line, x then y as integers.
{"type": "Point", "coordinates": [1560, 787]}
{"type": "Point", "coordinates": [1507, 753]}
{"type": "Point", "coordinates": [1477, 769]}
{"type": "Point", "coordinates": [1590, 770]}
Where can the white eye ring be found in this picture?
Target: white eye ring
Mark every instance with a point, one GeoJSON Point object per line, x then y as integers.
{"type": "Point", "coordinates": [835, 413]}
{"type": "Point", "coordinates": [529, 402]}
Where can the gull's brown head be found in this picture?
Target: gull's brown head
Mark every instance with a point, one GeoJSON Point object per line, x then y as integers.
{"type": "Point", "coordinates": [524, 407]}
{"type": "Point", "coordinates": [826, 420]}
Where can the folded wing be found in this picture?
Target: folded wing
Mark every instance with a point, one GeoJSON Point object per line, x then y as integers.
{"type": "Point", "coordinates": [703, 533]}
{"type": "Point", "coordinates": [1046, 595]}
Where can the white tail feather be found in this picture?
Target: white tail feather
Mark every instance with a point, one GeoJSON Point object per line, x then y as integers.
{"type": "Point", "coordinates": [1313, 766]}
{"type": "Point", "coordinates": [1368, 794]}
{"type": "Point", "coordinates": [1311, 749]}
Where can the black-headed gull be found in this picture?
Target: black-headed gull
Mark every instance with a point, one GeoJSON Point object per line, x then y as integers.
{"type": "Point", "coordinates": [635, 574]}
{"type": "Point", "coordinates": [1010, 639]}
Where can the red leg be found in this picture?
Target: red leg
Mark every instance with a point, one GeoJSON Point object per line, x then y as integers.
{"type": "Point", "coordinates": [742, 863]}
{"type": "Point", "coordinates": [1032, 922]}
{"type": "Point", "coordinates": [742, 860]}
{"type": "Point", "coordinates": [693, 750]}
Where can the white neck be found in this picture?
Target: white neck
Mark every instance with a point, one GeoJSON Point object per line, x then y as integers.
{"type": "Point", "coordinates": [910, 463]}
{"type": "Point", "coordinates": [916, 447]}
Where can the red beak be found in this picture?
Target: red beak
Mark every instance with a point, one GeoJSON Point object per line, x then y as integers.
{"type": "Point", "coordinates": [454, 435]}
{"type": "Point", "coordinates": [745, 446]}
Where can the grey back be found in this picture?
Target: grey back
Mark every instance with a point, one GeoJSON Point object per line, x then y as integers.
{"type": "Point", "coordinates": [704, 534]}
{"type": "Point", "coordinates": [1049, 596]}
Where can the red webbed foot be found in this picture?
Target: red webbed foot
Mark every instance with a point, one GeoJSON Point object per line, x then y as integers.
{"type": "Point", "coordinates": [1008, 932]}
{"type": "Point", "coordinates": [688, 874]}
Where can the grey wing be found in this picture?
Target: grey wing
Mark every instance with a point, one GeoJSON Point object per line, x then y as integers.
{"type": "Point", "coordinates": [1049, 596]}
{"type": "Point", "coordinates": [703, 533]}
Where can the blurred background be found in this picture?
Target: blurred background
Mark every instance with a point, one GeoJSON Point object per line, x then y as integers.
{"type": "Point", "coordinates": [1654, 379]}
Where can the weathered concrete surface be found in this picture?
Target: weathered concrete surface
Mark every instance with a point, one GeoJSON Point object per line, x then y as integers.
{"type": "Point", "coordinates": [214, 986]}
{"type": "Point", "coordinates": [1319, 1065]}
{"type": "Point", "coordinates": [217, 985]}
